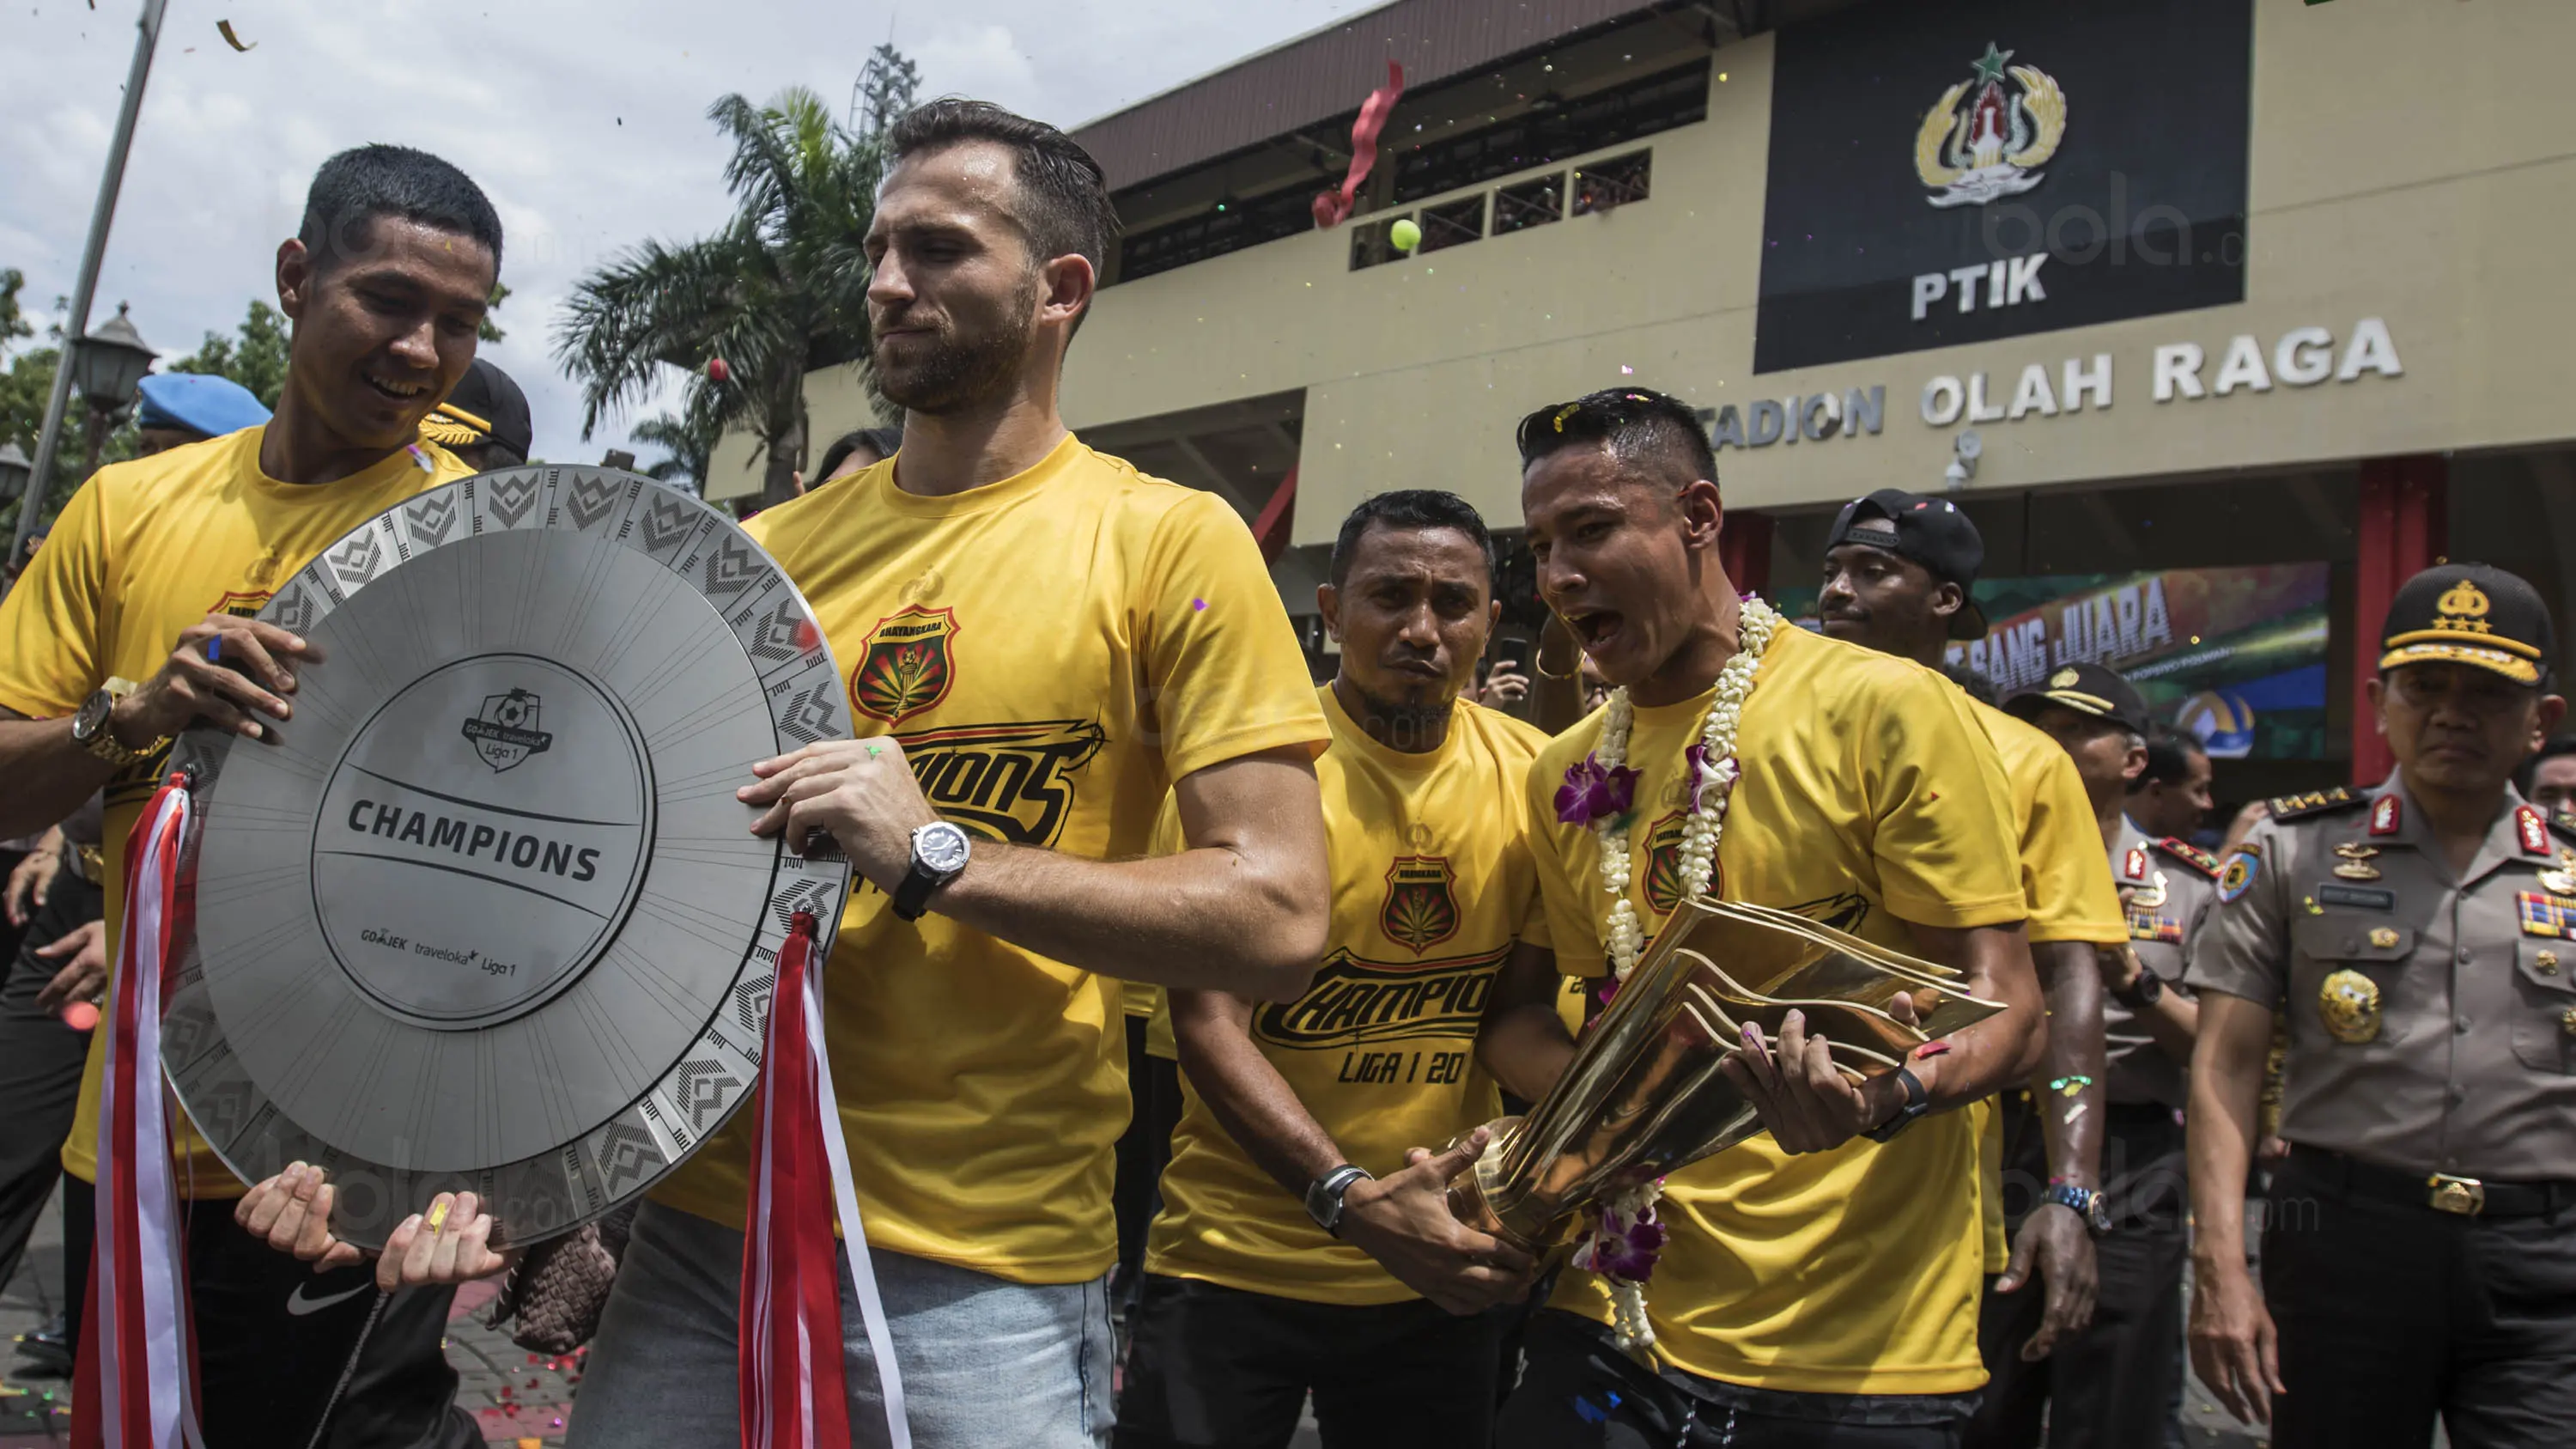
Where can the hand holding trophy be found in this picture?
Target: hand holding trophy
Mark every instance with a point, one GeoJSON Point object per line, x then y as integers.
{"type": "Point", "coordinates": [1648, 1092]}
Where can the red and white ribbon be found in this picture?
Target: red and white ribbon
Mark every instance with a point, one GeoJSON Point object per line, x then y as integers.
{"type": "Point", "coordinates": [136, 1330]}
{"type": "Point", "coordinates": [794, 1391]}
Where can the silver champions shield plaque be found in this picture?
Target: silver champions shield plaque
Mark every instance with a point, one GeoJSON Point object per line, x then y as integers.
{"type": "Point", "coordinates": [488, 916]}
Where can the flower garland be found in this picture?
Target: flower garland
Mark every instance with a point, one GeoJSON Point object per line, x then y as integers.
{"type": "Point", "coordinates": [1599, 793]}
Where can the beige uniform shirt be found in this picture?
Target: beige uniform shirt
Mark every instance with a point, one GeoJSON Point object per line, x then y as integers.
{"type": "Point", "coordinates": [2166, 887]}
{"type": "Point", "coordinates": [2432, 1018]}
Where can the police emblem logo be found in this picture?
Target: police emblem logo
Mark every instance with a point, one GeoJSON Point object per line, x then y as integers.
{"type": "Point", "coordinates": [505, 730]}
{"type": "Point", "coordinates": [1988, 135]}
{"type": "Point", "coordinates": [906, 667]}
{"type": "Point", "coordinates": [2064, 679]}
{"type": "Point", "coordinates": [2348, 1004]}
{"type": "Point", "coordinates": [1421, 909]}
{"type": "Point", "coordinates": [2236, 877]}
{"type": "Point", "coordinates": [2463, 606]}
{"type": "Point", "coordinates": [2386, 816]}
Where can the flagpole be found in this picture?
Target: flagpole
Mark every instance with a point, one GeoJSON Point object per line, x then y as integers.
{"type": "Point", "coordinates": [31, 505]}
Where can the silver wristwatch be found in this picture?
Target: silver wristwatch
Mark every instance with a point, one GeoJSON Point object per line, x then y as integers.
{"type": "Point", "coordinates": [1324, 1196]}
{"type": "Point", "coordinates": [939, 852]}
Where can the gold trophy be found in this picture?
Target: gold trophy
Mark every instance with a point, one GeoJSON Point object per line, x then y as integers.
{"type": "Point", "coordinates": [1644, 1097]}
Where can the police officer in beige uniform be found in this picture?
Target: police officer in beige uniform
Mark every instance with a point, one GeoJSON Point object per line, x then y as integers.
{"type": "Point", "coordinates": [2421, 1254]}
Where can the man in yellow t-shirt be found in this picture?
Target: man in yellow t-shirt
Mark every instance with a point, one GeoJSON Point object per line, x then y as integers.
{"type": "Point", "coordinates": [1898, 568]}
{"type": "Point", "coordinates": [1042, 644]}
{"type": "Point", "coordinates": [151, 563]}
{"type": "Point", "coordinates": [1297, 1253]}
{"type": "Point", "coordinates": [1826, 1273]}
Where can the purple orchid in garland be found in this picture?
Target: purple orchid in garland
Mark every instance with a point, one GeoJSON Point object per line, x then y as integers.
{"type": "Point", "coordinates": [1709, 782]}
{"type": "Point", "coordinates": [1593, 792]}
{"type": "Point", "coordinates": [1623, 1247]}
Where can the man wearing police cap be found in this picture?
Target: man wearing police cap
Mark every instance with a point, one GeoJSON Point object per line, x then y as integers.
{"type": "Point", "coordinates": [2421, 1257]}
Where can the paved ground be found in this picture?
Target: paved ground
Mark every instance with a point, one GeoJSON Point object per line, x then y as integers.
{"type": "Point", "coordinates": [522, 1400]}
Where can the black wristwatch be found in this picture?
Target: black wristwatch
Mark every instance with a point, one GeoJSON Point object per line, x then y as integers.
{"type": "Point", "coordinates": [1324, 1196]}
{"type": "Point", "coordinates": [2142, 993]}
{"type": "Point", "coordinates": [1917, 1103]}
{"type": "Point", "coordinates": [939, 852]}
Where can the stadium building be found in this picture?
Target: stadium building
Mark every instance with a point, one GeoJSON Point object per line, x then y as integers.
{"type": "Point", "coordinates": [2221, 317]}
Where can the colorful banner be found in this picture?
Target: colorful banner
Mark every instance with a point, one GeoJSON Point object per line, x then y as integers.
{"type": "Point", "coordinates": [2236, 656]}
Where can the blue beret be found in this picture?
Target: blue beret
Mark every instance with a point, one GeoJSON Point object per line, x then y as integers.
{"type": "Point", "coordinates": [198, 402]}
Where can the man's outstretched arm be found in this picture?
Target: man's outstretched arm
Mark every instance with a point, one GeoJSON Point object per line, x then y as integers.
{"type": "Point", "coordinates": [1242, 909]}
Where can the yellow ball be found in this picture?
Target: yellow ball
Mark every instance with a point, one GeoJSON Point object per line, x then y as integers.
{"type": "Point", "coordinates": [1405, 234]}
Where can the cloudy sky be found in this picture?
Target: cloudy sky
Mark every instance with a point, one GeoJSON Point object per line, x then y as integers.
{"type": "Point", "coordinates": [584, 121]}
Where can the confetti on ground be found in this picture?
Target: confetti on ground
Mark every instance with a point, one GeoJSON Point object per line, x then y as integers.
{"type": "Point", "coordinates": [235, 41]}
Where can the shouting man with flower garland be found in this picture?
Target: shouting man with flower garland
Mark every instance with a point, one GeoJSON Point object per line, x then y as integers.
{"type": "Point", "coordinates": [1811, 1286]}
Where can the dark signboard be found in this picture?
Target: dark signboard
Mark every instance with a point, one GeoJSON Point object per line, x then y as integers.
{"type": "Point", "coordinates": [1945, 172]}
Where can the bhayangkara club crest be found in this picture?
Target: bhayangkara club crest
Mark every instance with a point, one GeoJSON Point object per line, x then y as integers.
{"type": "Point", "coordinates": [1988, 135]}
{"type": "Point", "coordinates": [906, 667]}
{"type": "Point", "coordinates": [1421, 910]}
{"type": "Point", "coordinates": [504, 730]}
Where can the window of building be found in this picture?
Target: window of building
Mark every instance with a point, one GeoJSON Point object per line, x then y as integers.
{"type": "Point", "coordinates": [1227, 226]}
{"type": "Point", "coordinates": [1604, 185]}
{"type": "Point", "coordinates": [1369, 246]}
{"type": "Point", "coordinates": [1553, 130]}
{"type": "Point", "coordinates": [1531, 203]}
{"type": "Point", "coordinates": [1453, 224]}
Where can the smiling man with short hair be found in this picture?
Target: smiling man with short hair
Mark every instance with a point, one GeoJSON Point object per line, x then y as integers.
{"type": "Point", "coordinates": [153, 561]}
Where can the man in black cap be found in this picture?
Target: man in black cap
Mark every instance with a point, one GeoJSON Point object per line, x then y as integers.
{"type": "Point", "coordinates": [1898, 570]}
{"type": "Point", "coordinates": [2111, 1384]}
{"type": "Point", "coordinates": [2421, 936]}
{"type": "Point", "coordinates": [484, 421]}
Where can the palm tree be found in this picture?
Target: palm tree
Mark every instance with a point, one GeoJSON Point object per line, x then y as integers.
{"type": "Point", "coordinates": [781, 290]}
{"type": "Point", "coordinates": [690, 441]}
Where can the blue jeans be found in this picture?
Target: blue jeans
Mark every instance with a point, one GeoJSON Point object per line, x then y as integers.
{"type": "Point", "coordinates": [986, 1363]}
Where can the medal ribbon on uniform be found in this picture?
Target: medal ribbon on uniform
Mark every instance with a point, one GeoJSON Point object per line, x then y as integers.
{"type": "Point", "coordinates": [137, 1324]}
{"type": "Point", "coordinates": [794, 1391]}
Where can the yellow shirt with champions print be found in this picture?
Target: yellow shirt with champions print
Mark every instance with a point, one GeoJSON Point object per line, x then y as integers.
{"type": "Point", "coordinates": [141, 552]}
{"type": "Point", "coordinates": [1053, 651]}
{"type": "Point", "coordinates": [2067, 885]}
{"type": "Point", "coordinates": [1432, 885]}
{"type": "Point", "coordinates": [1869, 799]}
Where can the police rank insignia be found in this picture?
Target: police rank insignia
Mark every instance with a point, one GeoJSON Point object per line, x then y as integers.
{"type": "Point", "coordinates": [2531, 830]}
{"type": "Point", "coordinates": [2236, 877]}
{"type": "Point", "coordinates": [2348, 1004]}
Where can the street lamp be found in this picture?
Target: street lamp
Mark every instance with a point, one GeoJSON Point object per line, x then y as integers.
{"type": "Point", "coordinates": [14, 469]}
{"type": "Point", "coordinates": [106, 366]}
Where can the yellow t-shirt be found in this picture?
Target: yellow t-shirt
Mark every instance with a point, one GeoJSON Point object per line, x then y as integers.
{"type": "Point", "coordinates": [1869, 799]}
{"type": "Point", "coordinates": [142, 551]}
{"type": "Point", "coordinates": [1053, 651]}
{"type": "Point", "coordinates": [2072, 898]}
{"type": "Point", "coordinates": [1432, 885]}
